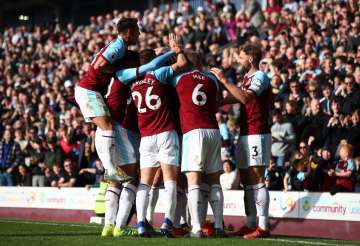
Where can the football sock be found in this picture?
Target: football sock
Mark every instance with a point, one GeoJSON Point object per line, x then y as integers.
{"type": "Point", "coordinates": [194, 202]}
{"type": "Point", "coordinates": [126, 201]}
{"type": "Point", "coordinates": [250, 207]}
{"type": "Point", "coordinates": [261, 194]}
{"type": "Point", "coordinates": [217, 204]}
{"type": "Point", "coordinates": [105, 144]}
{"type": "Point", "coordinates": [204, 188]}
{"type": "Point", "coordinates": [170, 199]}
{"type": "Point", "coordinates": [111, 205]}
{"type": "Point", "coordinates": [153, 198]}
{"type": "Point", "coordinates": [142, 201]}
{"type": "Point", "coordinates": [180, 212]}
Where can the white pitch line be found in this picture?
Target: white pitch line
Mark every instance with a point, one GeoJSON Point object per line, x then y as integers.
{"type": "Point", "coordinates": [48, 223]}
{"type": "Point", "coordinates": [305, 242]}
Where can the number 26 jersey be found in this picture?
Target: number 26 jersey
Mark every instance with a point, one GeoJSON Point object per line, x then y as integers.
{"type": "Point", "coordinates": [151, 96]}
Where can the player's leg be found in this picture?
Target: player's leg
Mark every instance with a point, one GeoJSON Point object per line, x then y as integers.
{"type": "Point", "coordinates": [180, 220]}
{"type": "Point", "coordinates": [193, 166]}
{"type": "Point", "coordinates": [154, 196]}
{"type": "Point", "coordinates": [142, 198]}
{"type": "Point", "coordinates": [213, 166]}
{"type": "Point", "coordinates": [170, 173]}
{"type": "Point", "coordinates": [168, 143]}
{"type": "Point", "coordinates": [94, 109]}
{"type": "Point", "coordinates": [242, 157]}
{"type": "Point", "coordinates": [259, 149]}
{"type": "Point", "coordinates": [148, 167]}
{"type": "Point", "coordinates": [205, 195]}
{"type": "Point", "coordinates": [126, 201]}
{"type": "Point", "coordinates": [111, 207]}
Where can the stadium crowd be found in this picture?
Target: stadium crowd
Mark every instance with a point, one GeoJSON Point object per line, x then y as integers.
{"type": "Point", "coordinates": [312, 57]}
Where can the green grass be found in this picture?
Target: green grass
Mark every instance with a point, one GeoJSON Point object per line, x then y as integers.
{"type": "Point", "coordinates": [35, 233]}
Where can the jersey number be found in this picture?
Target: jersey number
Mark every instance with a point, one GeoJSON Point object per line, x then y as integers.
{"type": "Point", "coordinates": [255, 152]}
{"type": "Point", "coordinates": [148, 99]}
{"type": "Point", "coordinates": [199, 97]}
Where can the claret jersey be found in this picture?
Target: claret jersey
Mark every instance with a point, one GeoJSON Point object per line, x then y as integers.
{"type": "Point", "coordinates": [254, 115]}
{"type": "Point", "coordinates": [95, 79]}
{"type": "Point", "coordinates": [198, 96]}
{"type": "Point", "coordinates": [152, 98]}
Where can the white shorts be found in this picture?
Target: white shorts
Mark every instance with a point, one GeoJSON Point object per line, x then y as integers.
{"type": "Point", "coordinates": [201, 151]}
{"type": "Point", "coordinates": [253, 150]}
{"type": "Point", "coordinates": [127, 146]}
{"type": "Point", "coordinates": [91, 103]}
{"type": "Point", "coordinates": [162, 147]}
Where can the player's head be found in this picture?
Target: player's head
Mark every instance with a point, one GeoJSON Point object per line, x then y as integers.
{"type": "Point", "coordinates": [146, 56]}
{"type": "Point", "coordinates": [250, 56]}
{"type": "Point", "coordinates": [194, 59]}
{"type": "Point", "coordinates": [128, 29]}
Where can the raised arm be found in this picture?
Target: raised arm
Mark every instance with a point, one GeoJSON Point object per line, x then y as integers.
{"type": "Point", "coordinates": [129, 74]}
{"type": "Point", "coordinates": [181, 61]}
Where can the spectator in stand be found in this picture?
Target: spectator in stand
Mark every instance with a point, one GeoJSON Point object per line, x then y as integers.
{"type": "Point", "coordinates": [283, 139]}
{"type": "Point", "coordinates": [68, 178]}
{"type": "Point", "coordinates": [53, 154]}
{"type": "Point", "coordinates": [94, 174]}
{"type": "Point", "coordinates": [353, 132]}
{"type": "Point", "coordinates": [10, 158]}
{"type": "Point", "coordinates": [36, 163]}
{"type": "Point", "coordinates": [229, 180]}
{"type": "Point", "coordinates": [295, 177]}
{"type": "Point", "coordinates": [24, 176]}
{"type": "Point", "coordinates": [325, 101]}
{"type": "Point", "coordinates": [274, 178]}
{"type": "Point", "coordinates": [315, 123]}
{"type": "Point", "coordinates": [53, 176]}
{"type": "Point", "coordinates": [344, 172]}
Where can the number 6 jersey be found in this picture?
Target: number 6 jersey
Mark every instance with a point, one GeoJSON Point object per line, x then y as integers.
{"type": "Point", "coordinates": [151, 95]}
{"type": "Point", "coordinates": [198, 94]}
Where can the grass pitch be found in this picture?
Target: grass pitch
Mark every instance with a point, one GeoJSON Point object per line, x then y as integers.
{"type": "Point", "coordinates": [35, 233]}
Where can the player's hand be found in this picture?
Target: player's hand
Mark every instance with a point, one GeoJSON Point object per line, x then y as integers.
{"type": "Point", "coordinates": [174, 43]}
{"type": "Point", "coordinates": [219, 74]}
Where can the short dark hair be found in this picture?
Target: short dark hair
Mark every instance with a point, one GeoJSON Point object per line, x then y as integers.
{"type": "Point", "coordinates": [253, 50]}
{"type": "Point", "coordinates": [126, 23]}
{"type": "Point", "coordinates": [194, 58]}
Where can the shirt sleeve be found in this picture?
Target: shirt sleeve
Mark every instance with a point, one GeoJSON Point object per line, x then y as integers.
{"type": "Point", "coordinates": [163, 74]}
{"type": "Point", "coordinates": [115, 51]}
{"type": "Point", "coordinates": [126, 75]}
{"type": "Point", "coordinates": [259, 83]}
{"type": "Point", "coordinates": [129, 74]}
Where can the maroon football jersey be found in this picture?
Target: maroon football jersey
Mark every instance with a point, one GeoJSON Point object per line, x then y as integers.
{"type": "Point", "coordinates": [254, 115]}
{"type": "Point", "coordinates": [198, 93]}
{"type": "Point", "coordinates": [116, 99]}
{"type": "Point", "coordinates": [152, 101]}
{"type": "Point", "coordinates": [96, 80]}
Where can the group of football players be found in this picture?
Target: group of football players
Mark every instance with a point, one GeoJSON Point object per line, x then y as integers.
{"type": "Point", "coordinates": [143, 103]}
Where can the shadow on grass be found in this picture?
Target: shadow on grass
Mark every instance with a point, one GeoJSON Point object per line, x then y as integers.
{"type": "Point", "coordinates": [57, 234]}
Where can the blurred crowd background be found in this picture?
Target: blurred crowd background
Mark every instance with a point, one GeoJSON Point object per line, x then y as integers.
{"type": "Point", "coordinates": [312, 55]}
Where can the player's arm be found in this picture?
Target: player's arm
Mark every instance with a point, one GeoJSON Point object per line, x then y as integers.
{"type": "Point", "coordinates": [127, 75]}
{"type": "Point", "coordinates": [242, 96]}
{"type": "Point", "coordinates": [181, 60]}
{"type": "Point", "coordinates": [115, 51]}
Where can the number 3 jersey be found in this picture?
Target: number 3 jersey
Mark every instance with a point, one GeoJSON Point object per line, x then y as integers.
{"type": "Point", "coordinates": [151, 95]}
{"type": "Point", "coordinates": [198, 93]}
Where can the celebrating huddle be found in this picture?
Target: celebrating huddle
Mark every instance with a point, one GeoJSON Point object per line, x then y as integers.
{"type": "Point", "coordinates": [163, 97]}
